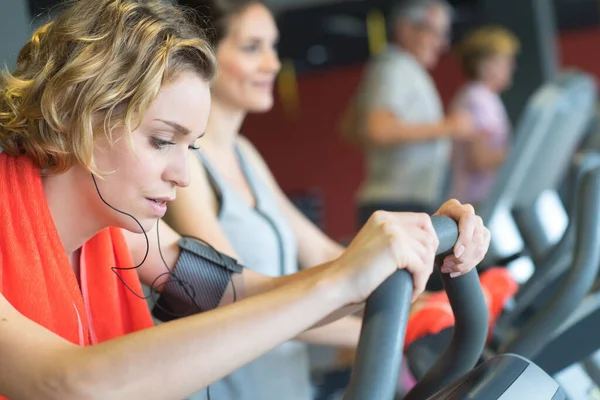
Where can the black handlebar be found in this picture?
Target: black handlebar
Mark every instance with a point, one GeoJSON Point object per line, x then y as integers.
{"type": "Point", "coordinates": [381, 344]}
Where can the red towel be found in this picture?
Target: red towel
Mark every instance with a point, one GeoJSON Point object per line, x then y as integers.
{"type": "Point", "coordinates": [36, 276]}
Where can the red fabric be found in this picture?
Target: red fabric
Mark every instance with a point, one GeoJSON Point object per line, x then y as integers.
{"type": "Point", "coordinates": [436, 315]}
{"type": "Point", "coordinates": [36, 276]}
{"type": "Point", "coordinates": [500, 287]}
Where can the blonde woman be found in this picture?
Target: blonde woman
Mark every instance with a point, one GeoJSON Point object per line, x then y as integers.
{"type": "Point", "coordinates": [487, 57]}
{"type": "Point", "coordinates": [96, 125]}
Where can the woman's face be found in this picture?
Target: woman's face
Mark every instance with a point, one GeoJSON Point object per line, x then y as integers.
{"type": "Point", "coordinates": [498, 70]}
{"type": "Point", "coordinates": [147, 175]}
{"type": "Point", "coordinates": [248, 62]}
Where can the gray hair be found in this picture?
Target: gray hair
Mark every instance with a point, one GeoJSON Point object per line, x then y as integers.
{"type": "Point", "coordinates": [416, 10]}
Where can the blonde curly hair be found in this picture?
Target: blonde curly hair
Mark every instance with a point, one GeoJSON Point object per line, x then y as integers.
{"type": "Point", "coordinates": [98, 65]}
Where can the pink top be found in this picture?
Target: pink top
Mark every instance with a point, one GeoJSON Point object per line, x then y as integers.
{"type": "Point", "coordinates": [490, 119]}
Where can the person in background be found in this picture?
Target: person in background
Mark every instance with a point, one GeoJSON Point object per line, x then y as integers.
{"type": "Point", "coordinates": [487, 56]}
{"type": "Point", "coordinates": [235, 204]}
{"type": "Point", "coordinates": [398, 118]}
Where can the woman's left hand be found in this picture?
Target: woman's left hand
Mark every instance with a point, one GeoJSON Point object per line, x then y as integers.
{"type": "Point", "coordinates": [473, 238]}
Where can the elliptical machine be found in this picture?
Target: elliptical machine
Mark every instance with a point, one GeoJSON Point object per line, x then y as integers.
{"type": "Point", "coordinates": [379, 352]}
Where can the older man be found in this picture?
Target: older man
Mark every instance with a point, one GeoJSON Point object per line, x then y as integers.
{"type": "Point", "coordinates": [401, 121]}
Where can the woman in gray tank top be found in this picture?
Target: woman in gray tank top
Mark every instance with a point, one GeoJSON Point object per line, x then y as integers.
{"type": "Point", "coordinates": [251, 219]}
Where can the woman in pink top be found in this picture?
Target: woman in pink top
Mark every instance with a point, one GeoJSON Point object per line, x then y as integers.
{"type": "Point", "coordinates": [487, 57]}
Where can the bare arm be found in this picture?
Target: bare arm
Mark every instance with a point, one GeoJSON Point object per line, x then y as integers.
{"type": "Point", "coordinates": [247, 284]}
{"type": "Point", "coordinates": [180, 354]}
{"type": "Point", "coordinates": [343, 333]}
{"type": "Point", "coordinates": [387, 98]}
{"type": "Point", "coordinates": [382, 128]}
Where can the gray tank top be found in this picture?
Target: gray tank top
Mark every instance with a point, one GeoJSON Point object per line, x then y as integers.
{"type": "Point", "coordinates": [264, 242]}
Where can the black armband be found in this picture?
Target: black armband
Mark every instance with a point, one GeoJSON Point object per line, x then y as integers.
{"type": "Point", "coordinates": [198, 282]}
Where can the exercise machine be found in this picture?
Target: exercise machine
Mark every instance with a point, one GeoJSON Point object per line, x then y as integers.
{"type": "Point", "coordinates": [548, 337]}
{"type": "Point", "coordinates": [379, 352]}
{"type": "Point", "coordinates": [523, 210]}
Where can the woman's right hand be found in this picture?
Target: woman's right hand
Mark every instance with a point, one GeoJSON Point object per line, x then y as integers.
{"type": "Point", "coordinates": [388, 242]}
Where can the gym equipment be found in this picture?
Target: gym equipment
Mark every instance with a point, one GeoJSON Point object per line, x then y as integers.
{"type": "Point", "coordinates": [379, 352]}
{"type": "Point", "coordinates": [518, 208]}
{"type": "Point", "coordinates": [576, 337]}
{"type": "Point", "coordinates": [546, 280]}
{"type": "Point", "coordinates": [546, 338]}
{"type": "Point", "coordinates": [534, 336]}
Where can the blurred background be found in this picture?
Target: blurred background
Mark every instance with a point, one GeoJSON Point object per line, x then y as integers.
{"type": "Point", "coordinates": [324, 47]}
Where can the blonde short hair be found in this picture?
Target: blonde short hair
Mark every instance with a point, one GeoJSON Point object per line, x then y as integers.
{"type": "Point", "coordinates": [99, 64]}
{"type": "Point", "coordinates": [483, 43]}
